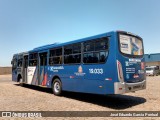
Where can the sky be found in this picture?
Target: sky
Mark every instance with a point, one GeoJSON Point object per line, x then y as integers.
{"type": "Point", "coordinates": [27, 24]}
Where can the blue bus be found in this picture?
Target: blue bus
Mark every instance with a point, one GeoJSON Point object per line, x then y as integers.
{"type": "Point", "coordinates": [109, 63]}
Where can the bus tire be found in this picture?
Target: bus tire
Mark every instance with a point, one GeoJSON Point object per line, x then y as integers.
{"type": "Point", "coordinates": [21, 82]}
{"type": "Point", "coordinates": [57, 87]}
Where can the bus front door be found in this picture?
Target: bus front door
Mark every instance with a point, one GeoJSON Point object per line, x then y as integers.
{"type": "Point", "coordinates": [42, 75]}
{"type": "Point", "coordinates": [25, 66]}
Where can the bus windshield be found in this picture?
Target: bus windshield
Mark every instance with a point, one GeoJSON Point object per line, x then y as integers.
{"type": "Point", "coordinates": [131, 45]}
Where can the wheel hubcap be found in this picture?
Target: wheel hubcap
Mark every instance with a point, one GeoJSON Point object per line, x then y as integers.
{"type": "Point", "coordinates": [20, 80]}
{"type": "Point", "coordinates": [56, 87]}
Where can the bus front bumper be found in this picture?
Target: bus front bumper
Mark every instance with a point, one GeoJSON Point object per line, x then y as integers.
{"type": "Point", "coordinates": [121, 88]}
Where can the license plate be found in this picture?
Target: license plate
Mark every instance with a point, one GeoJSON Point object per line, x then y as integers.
{"type": "Point", "coordinates": [135, 87]}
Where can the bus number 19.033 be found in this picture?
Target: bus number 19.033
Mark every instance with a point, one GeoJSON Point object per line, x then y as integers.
{"type": "Point", "coordinates": [96, 71]}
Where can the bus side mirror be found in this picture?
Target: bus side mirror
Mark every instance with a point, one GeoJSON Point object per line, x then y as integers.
{"type": "Point", "coordinates": [11, 62]}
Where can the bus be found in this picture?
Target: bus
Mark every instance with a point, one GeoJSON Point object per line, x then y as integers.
{"type": "Point", "coordinates": [108, 63]}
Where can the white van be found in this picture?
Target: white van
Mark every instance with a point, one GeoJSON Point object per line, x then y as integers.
{"type": "Point", "coordinates": [152, 70]}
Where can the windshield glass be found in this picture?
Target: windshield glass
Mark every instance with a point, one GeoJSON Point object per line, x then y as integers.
{"type": "Point", "coordinates": [148, 69]}
{"type": "Point", "coordinates": [131, 45]}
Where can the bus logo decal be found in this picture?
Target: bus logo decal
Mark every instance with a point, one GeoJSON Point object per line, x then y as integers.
{"type": "Point", "coordinates": [127, 63]}
{"type": "Point", "coordinates": [134, 60]}
{"type": "Point", "coordinates": [127, 76]}
{"type": "Point", "coordinates": [55, 69]}
{"type": "Point", "coordinates": [80, 71]}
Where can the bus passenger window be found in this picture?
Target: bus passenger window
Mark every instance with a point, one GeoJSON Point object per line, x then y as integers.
{"type": "Point", "coordinates": [33, 59]}
{"type": "Point", "coordinates": [58, 52]}
{"type": "Point", "coordinates": [103, 56]}
{"type": "Point", "coordinates": [88, 46]}
{"type": "Point", "coordinates": [55, 56]}
{"type": "Point", "coordinates": [68, 49]}
{"type": "Point", "coordinates": [101, 44]}
{"type": "Point", "coordinates": [95, 51]}
{"type": "Point", "coordinates": [77, 58]}
{"type": "Point", "coordinates": [57, 60]}
{"type": "Point", "coordinates": [76, 48]}
{"type": "Point", "coordinates": [50, 61]}
{"type": "Point", "coordinates": [88, 58]}
{"type": "Point", "coordinates": [72, 53]}
{"type": "Point", "coordinates": [95, 58]}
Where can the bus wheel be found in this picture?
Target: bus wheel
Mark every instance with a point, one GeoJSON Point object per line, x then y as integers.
{"type": "Point", "coordinates": [21, 82]}
{"type": "Point", "coordinates": [57, 87]}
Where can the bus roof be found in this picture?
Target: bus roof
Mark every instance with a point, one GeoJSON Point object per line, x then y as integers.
{"type": "Point", "coordinates": [54, 45]}
{"type": "Point", "coordinates": [45, 47]}
{"type": "Point", "coordinates": [22, 53]}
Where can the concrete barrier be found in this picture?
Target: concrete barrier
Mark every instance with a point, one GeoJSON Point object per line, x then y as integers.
{"type": "Point", "coordinates": [5, 70]}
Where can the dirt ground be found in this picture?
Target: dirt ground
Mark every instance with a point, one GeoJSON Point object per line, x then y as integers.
{"type": "Point", "coordinates": [32, 98]}
{"type": "Point", "coordinates": [5, 70]}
